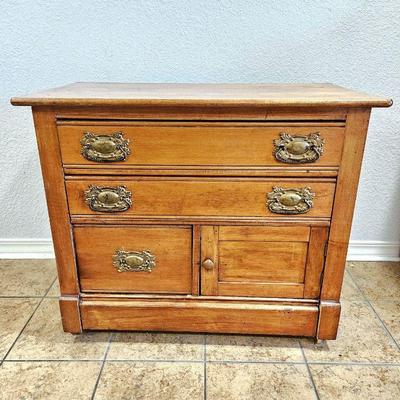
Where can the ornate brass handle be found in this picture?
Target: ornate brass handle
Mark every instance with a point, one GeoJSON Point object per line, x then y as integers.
{"type": "Point", "coordinates": [108, 199]}
{"type": "Point", "coordinates": [134, 261]}
{"type": "Point", "coordinates": [298, 149]}
{"type": "Point", "coordinates": [290, 201]}
{"type": "Point", "coordinates": [105, 148]}
{"type": "Point", "coordinates": [208, 264]}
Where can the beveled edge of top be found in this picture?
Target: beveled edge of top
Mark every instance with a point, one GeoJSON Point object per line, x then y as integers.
{"type": "Point", "coordinates": [203, 95]}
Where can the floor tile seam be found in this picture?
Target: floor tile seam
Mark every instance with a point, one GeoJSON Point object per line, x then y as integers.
{"type": "Point", "coordinates": [207, 362]}
{"type": "Point", "coordinates": [310, 375]}
{"type": "Point", "coordinates": [314, 362]}
{"type": "Point", "coordinates": [53, 360]}
{"type": "Point", "coordinates": [3, 296]}
{"type": "Point", "coordinates": [383, 324]}
{"type": "Point", "coordinates": [354, 280]}
{"type": "Point", "coordinates": [333, 363]}
{"type": "Point", "coordinates": [205, 367]}
{"type": "Point", "coordinates": [102, 365]}
{"type": "Point", "coordinates": [354, 363]}
{"type": "Point", "coordinates": [368, 302]}
{"type": "Point", "coordinates": [385, 300]}
{"type": "Point", "coordinates": [27, 322]}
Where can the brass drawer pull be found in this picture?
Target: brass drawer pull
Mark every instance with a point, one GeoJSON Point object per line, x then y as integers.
{"type": "Point", "coordinates": [208, 264]}
{"type": "Point", "coordinates": [105, 148]}
{"type": "Point", "coordinates": [134, 261]}
{"type": "Point", "coordinates": [298, 149]}
{"type": "Point", "coordinates": [108, 199]}
{"type": "Point", "coordinates": [290, 201]}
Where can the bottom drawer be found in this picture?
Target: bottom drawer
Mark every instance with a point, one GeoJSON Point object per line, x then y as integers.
{"type": "Point", "coordinates": [134, 259]}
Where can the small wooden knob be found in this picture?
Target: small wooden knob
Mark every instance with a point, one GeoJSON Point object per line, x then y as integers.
{"type": "Point", "coordinates": [208, 264]}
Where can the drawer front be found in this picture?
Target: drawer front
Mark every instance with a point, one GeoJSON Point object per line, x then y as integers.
{"type": "Point", "coordinates": [196, 144]}
{"type": "Point", "coordinates": [264, 261]}
{"type": "Point", "coordinates": [201, 197]}
{"type": "Point", "coordinates": [134, 259]}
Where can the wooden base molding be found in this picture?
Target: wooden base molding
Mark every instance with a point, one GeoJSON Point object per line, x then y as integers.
{"type": "Point", "coordinates": [328, 322]}
{"type": "Point", "coordinates": [70, 314]}
{"type": "Point", "coordinates": [199, 316]}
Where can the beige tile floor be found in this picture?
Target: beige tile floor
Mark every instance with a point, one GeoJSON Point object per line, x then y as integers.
{"type": "Point", "coordinates": [39, 361]}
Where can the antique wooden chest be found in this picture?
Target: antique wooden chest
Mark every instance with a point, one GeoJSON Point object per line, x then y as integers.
{"type": "Point", "coordinates": [201, 208]}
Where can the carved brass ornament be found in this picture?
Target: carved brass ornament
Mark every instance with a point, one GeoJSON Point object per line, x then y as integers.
{"type": "Point", "coordinates": [108, 199]}
{"type": "Point", "coordinates": [298, 149]}
{"type": "Point", "coordinates": [290, 201]}
{"type": "Point", "coordinates": [105, 148]}
{"type": "Point", "coordinates": [134, 261]}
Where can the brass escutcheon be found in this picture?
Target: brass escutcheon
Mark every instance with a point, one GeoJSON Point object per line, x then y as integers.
{"type": "Point", "coordinates": [108, 199]}
{"type": "Point", "coordinates": [298, 149]}
{"type": "Point", "coordinates": [134, 261]}
{"type": "Point", "coordinates": [104, 147]}
{"type": "Point", "coordinates": [290, 201]}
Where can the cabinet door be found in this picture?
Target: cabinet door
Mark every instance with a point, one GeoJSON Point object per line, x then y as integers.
{"type": "Point", "coordinates": [262, 261]}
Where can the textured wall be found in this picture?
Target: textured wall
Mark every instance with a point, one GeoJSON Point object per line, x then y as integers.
{"type": "Point", "coordinates": [49, 43]}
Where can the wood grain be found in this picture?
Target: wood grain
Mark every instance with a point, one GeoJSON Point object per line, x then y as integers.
{"type": "Point", "coordinates": [264, 261]}
{"type": "Point", "coordinates": [53, 179]}
{"type": "Point", "coordinates": [261, 289]}
{"type": "Point", "coordinates": [254, 261]}
{"type": "Point", "coordinates": [199, 144]}
{"type": "Point", "coordinates": [209, 251]}
{"type": "Point", "coordinates": [135, 94]}
{"type": "Point", "coordinates": [172, 247]}
{"type": "Point", "coordinates": [315, 261]}
{"type": "Point", "coordinates": [328, 322]}
{"type": "Point", "coordinates": [268, 233]}
{"type": "Point", "coordinates": [199, 316]}
{"type": "Point", "coordinates": [309, 172]}
{"type": "Point", "coordinates": [70, 314]}
{"type": "Point", "coordinates": [345, 197]}
{"type": "Point", "coordinates": [200, 113]}
{"type": "Point", "coordinates": [200, 197]}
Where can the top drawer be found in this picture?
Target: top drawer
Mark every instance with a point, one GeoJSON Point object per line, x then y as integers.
{"type": "Point", "coordinates": [184, 144]}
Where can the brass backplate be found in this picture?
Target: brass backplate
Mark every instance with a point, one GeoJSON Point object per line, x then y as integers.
{"type": "Point", "coordinates": [290, 201]}
{"type": "Point", "coordinates": [105, 147]}
{"type": "Point", "coordinates": [134, 261]}
{"type": "Point", "coordinates": [298, 149]}
{"type": "Point", "coordinates": [108, 199]}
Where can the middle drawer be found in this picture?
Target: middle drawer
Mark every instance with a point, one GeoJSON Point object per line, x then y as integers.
{"type": "Point", "coordinates": [200, 197]}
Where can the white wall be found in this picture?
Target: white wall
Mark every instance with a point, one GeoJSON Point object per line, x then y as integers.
{"type": "Point", "coordinates": [50, 43]}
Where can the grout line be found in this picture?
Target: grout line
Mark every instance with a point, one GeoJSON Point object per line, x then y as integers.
{"type": "Point", "coordinates": [102, 365]}
{"type": "Point", "coordinates": [367, 301]}
{"type": "Point", "coordinates": [354, 363]}
{"type": "Point", "coordinates": [205, 369]}
{"type": "Point", "coordinates": [26, 323]}
{"type": "Point", "coordinates": [138, 360]}
{"type": "Point", "coordinates": [333, 363]}
{"type": "Point", "coordinates": [309, 371]}
{"type": "Point", "coordinates": [47, 360]}
{"type": "Point", "coordinates": [256, 362]}
{"type": "Point", "coordinates": [383, 324]}
{"type": "Point", "coordinates": [20, 297]}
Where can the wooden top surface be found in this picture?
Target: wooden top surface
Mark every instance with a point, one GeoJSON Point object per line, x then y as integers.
{"type": "Point", "coordinates": [135, 94]}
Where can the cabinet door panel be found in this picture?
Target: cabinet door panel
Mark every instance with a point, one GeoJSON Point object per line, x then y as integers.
{"type": "Point", "coordinates": [262, 261]}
